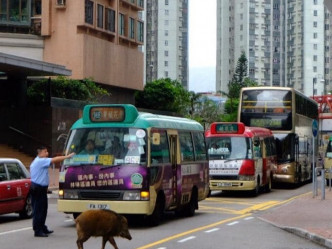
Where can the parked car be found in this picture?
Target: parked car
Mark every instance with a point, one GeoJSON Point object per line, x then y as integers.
{"type": "Point", "coordinates": [15, 188]}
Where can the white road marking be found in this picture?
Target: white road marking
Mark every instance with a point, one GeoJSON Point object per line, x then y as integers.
{"type": "Point", "coordinates": [16, 230]}
{"type": "Point", "coordinates": [212, 230]}
{"type": "Point", "coordinates": [69, 220]}
{"type": "Point", "coordinates": [186, 239]}
{"type": "Point", "coordinates": [249, 218]}
{"type": "Point", "coordinates": [232, 223]}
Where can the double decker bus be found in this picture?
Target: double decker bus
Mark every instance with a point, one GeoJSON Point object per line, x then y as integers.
{"type": "Point", "coordinates": [240, 158]}
{"type": "Point", "coordinates": [289, 114]}
{"type": "Point", "coordinates": [133, 163]}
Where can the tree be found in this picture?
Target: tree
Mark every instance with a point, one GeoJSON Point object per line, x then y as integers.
{"type": "Point", "coordinates": [238, 81]}
{"type": "Point", "coordinates": [63, 87]}
{"type": "Point", "coordinates": [163, 94]}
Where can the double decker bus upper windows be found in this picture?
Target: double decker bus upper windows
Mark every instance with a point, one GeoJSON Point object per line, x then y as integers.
{"type": "Point", "coordinates": [271, 109]}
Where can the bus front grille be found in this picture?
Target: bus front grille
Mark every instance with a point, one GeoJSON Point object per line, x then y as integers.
{"type": "Point", "coordinates": [100, 195]}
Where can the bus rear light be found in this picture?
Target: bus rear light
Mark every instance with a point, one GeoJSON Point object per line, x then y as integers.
{"type": "Point", "coordinates": [247, 168]}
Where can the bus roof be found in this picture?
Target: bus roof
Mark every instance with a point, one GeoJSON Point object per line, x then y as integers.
{"type": "Point", "coordinates": [277, 88]}
{"type": "Point", "coordinates": [126, 115]}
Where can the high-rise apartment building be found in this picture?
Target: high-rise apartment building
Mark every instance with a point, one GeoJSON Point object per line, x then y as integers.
{"type": "Point", "coordinates": [166, 43]}
{"type": "Point", "coordinates": [284, 42]}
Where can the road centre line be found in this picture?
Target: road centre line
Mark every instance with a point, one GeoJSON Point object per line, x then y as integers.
{"type": "Point", "coordinates": [16, 230]}
{"type": "Point", "coordinates": [192, 231]}
{"type": "Point", "coordinates": [212, 230]}
{"type": "Point", "coordinates": [233, 223]}
{"type": "Point", "coordinates": [186, 239]}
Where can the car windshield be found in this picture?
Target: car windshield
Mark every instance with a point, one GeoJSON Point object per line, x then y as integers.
{"type": "Point", "coordinates": [107, 146]}
{"type": "Point", "coordinates": [229, 148]}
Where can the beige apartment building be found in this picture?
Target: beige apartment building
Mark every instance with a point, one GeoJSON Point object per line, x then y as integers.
{"type": "Point", "coordinates": [92, 38]}
{"type": "Point", "coordinates": [98, 39]}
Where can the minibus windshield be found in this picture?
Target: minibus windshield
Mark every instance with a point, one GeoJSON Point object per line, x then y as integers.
{"type": "Point", "coordinates": [107, 146]}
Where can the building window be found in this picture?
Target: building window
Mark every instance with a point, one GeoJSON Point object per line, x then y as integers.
{"type": "Point", "coordinates": [315, 24]}
{"type": "Point", "coordinates": [166, 12]}
{"type": "Point", "coordinates": [166, 74]}
{"type": "Point", "coordinates": [89, 12]}
{"type": "Point", "coordinates": [315, 69]}
{"type": "Point", "coordinates": [315, 2]}
{"type": "Point", "coordinates": [166, 43]}
{"type": "Point", "coordinates": [110, 20]}
{"type": "Point", "coordinates": [315, 58]}
{"type": "Point", "coordinates": [315, 13]}
{"type": "Point", "coordinates": [315, 35]}
{"type": "Point", "coordinates": [315, 46]}
{"type": "Point", "coordinates": [140, 31]}
{"type": "Point", "coordinates": [15, 12]}
{"type": "Point", "coordinates": [121, 24]}
{"type": "Point", "coordinates": [166, 2]}
{"type": "Point", "coordinates": [131, 28]}
{"type": "Point", "coordinates": [100, 16]}
{"type": "Point", "coordinates": [166, 63]}
{"type": "Point", "coordinates": [166, 53]}
{"type": "Point", "coordinates": [141, 3]}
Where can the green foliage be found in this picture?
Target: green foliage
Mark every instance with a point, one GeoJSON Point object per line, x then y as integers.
{"type": "Point", "coordinates": [163, 94]}
{"type": "Point", "coordinates": [238, 81]}
{"type": "Point", "coordinates": [206, 111]}
{"type": "Point", "coordinates": [63, 87]}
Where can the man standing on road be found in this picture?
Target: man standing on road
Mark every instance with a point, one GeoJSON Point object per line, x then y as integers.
{"type": "Point", "coordinates": [39, 185]}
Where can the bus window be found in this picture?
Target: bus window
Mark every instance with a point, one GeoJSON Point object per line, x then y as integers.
{"type": "Point", "coordinates": [200, 150]}
{"type": "Point", "coordinates": [115, 146]}
{"type": "Point", "coordinates": [186, 146]}
{"type": "Point", "coordinates": [160, 152]}
{"type": "Point", "coordinates": [329, 149]}
{"type": "Point", "coordinates": [229, 148]}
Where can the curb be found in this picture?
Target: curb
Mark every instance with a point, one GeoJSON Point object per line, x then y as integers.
{"type": "Point", "coordinates": [303, 233]}
{"type": "Point", "coordinates": [311, 236]}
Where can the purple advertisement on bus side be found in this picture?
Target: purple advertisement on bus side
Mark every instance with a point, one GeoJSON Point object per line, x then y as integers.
{"type": "Point", "coordinates": [101, 177]}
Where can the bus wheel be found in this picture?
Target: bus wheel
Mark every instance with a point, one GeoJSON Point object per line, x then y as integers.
{"type": "Point", "coordinates": [190, 208]}
{"type": "Point", "coordinates": [268, 186]}
{"type": "Point", "coordinates": [75, 215]}
{"type": "Point", "coordinates": [256, 190]}
{"type": "Point", "coordinates": [155, 218]}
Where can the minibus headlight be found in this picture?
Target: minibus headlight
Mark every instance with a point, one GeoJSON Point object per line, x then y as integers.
{"type": "Point", "coordinates": [70, 194]}
{"type": "Point", "coordinates": [131, 196]}
{"type": "Point", "coordinates": [246, 178]}
{"type": "Point", "coordinates": [136, 196]}
{"type": "Point", "coordinates": [61, 193]}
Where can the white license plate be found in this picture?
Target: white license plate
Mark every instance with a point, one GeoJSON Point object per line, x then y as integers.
{"type": "Point", "coordinates": [224, 184]}
{"type": "Point", "coordinates": [98, 206]}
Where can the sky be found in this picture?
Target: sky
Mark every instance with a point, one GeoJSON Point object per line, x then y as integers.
{"type": "Point", "coordinates": [202, 45]}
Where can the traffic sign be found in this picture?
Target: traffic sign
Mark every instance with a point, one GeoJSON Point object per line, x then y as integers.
{"type": "Point", "coordinates": [314, 127]}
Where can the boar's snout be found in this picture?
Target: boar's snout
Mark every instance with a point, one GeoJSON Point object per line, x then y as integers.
{"type": "Point", "coordinates": [126, 234]}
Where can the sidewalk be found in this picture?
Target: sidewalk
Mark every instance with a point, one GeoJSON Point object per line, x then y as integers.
{"type": "Point", "coordinates": [306, 216]}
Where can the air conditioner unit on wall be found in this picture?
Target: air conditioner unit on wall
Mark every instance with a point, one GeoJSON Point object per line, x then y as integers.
{"type": "Point", "coordinates": [61, 2]}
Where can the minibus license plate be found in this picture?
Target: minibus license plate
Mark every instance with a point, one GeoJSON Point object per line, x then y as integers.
{"type": "Point", "coordinates": [98, 206]}
{"type": "Point", "coordinates": [224, 184]}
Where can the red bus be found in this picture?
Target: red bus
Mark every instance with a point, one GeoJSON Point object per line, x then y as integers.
{"type": "Point", "coordinates": [240, 157]}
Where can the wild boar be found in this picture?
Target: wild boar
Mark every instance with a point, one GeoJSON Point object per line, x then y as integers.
{"type": "Point", "coordinates": [104, 223]}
